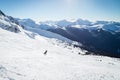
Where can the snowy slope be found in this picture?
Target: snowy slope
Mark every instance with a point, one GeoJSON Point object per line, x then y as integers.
{"type": "Point", "coordinates": [48, 34]}
{"type": "Point", "coordinates": [22, 58]}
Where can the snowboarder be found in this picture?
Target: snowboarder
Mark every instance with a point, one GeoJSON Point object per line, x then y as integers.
{"type": "Point", "coordinates": [79, 53]}
{"type": "Point", "coordinates": [45, 53]}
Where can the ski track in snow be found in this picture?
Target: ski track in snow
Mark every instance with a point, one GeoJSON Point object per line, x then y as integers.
{"type": "Point", "coordinates": [22, 58]}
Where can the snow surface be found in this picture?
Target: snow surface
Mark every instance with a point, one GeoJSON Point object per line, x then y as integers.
{"type": "Point", "coordinates": [48, 34]}
{"type": "Point", "coordinates": [22, 58]}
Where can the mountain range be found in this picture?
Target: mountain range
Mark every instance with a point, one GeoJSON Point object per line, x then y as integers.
{"type": "Point", "coordinates": [100, 37]}
{"type": "Point", "coordinates": [58, 50]}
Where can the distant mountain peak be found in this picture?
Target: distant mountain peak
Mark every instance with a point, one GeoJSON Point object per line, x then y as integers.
{"type": "Point", "coordinates": [1, 13]}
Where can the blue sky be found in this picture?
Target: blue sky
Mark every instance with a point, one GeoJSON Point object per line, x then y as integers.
{"type": "Point", "coordinates": [62, 9]}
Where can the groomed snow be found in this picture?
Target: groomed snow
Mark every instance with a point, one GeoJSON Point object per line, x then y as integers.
{"type": "Point", "coordinates": [22, 58]}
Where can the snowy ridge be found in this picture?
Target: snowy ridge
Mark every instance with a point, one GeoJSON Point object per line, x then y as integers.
{"type": "Point", "coordinates": [7, 24]}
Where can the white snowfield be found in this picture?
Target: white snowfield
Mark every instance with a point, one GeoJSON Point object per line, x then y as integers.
{"type": "Point", "coordinates": [23, 58]}
{"type": "Point", "coordinates": [48, 34]}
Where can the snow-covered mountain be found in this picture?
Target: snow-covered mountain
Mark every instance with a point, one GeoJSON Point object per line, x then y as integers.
{"type": "Point", "coordinates": [85, 24]}
{"type": "Point", "coordinates": [8, 23]}
{"type": "Point", "coordinates": [100, 37]}
{"type": "Point", "coordinates": [110, 26]}
{"type": "Point", "coordinates": [29, 28]}
{"type": "Point", "coordinates": [27, 22]}
{"type": "Point", "coordinates": [31, 54]}
{"type": "Point", "coordinates": [103, 39]}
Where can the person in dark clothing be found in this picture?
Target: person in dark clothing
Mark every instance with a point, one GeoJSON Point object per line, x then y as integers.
{"type": "Point", "coordinates": [45, 53]}
{"type": "Point", "coordinates": [79, 53]}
